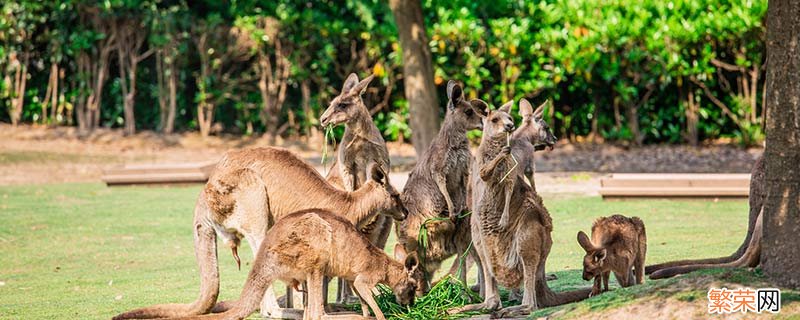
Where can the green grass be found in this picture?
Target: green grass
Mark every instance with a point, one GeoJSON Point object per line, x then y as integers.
{"type": "Point", "coordinates": [87, 251]}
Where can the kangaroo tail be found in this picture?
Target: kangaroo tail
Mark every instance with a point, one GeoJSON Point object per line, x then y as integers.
{"type": "Point", "coordinates": [548, 298]}
{"type": "Point", "coordinates": [750, 258]}
{"type": "Point", "coordinates": [205, 245]}
{"type": "Point", "coordinates": [757, 194]}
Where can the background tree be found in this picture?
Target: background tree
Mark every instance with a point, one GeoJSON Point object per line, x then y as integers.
{"type": "Point", "coordinates": [417, 72]}
{"type": "Point", "coordinates": [628, 71]}
{"type": "Point", "coordinates": [224, 51]}
{"type": "Point", "coordinates": [130, 29]}
{"type": "Point", "coordinates": [169, 40]}
{"type": "Point", "coordinates": [782, 204]}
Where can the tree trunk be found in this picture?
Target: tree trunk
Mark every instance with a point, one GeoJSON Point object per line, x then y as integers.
{"type": "Point", "coordinates": [312, 130]}
{"type": "Point", "coordinates": [51, 93]}
{"type": "Point", "coordinates": [782, 206]}
{"type": "Point", "coordinates": [690, 107]}
{"type": "Point", "coordinates": [172, 85]}
{"type": "Point", "coordinates": [20, 81]}
{"type": "Point", "coordinates": [417, 73]}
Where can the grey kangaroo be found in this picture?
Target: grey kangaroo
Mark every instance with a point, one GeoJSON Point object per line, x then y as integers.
{"type": "Point", "coordinates": [514, 253]}
{"type": "Point", "coordinates": [310, 244]}
{"type": "Point", "coordinates": [436, 187]}
{"type": "Point", "coordinates": [362, 145]}
{"type": "Point", "coordinates": [247, 193]}
{"type": "Point", "coordinates": [532, 135]}
{"type": "Point", "coordinates": [619, 245]}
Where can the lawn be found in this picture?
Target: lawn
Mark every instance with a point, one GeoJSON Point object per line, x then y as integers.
{"type": "Point", "coordinates": [88, 251]}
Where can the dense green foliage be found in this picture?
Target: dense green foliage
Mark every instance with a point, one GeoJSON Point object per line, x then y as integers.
{"type": "Point", "coordinates": [644, 71]}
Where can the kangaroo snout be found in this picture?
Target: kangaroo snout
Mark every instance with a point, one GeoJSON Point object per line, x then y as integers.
{"type": "Point", "coordinates": [509, 127]}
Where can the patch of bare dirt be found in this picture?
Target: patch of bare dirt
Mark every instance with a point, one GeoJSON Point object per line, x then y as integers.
{"type": "Point", "coordinates": [31, 154]}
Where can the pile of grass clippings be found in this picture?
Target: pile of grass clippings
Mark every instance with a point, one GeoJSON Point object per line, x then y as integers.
{"type": "Point", "coordinates": [447, 294]}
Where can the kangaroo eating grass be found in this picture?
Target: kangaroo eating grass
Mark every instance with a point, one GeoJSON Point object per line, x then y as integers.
{"type": "Point", "coordinates": [619, 245]}
{"type": "Point", "coordinates": [362, 145]}
{"type": "Point", "coordinates": [513, 254]}
{"type": "Point", "coordinates": [436, 187]}
{"type": "Point", "coordinates": [247, 193]}
{"type": "Point", "coordinates": [532, 135]}
{"type": "Point", "coordinates": [310, 244]}
{"type": "Point", "coordinates": [748, 254]}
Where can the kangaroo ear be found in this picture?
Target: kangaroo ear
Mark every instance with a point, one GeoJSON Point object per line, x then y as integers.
{"type": "Point", "coordinates": [350, 83]}
{"type": "Point", "coordinates": [480, 107]}
{"type": "Point", "coordinates": [376, 173]}
{"type": "Point", "coordinates": [361, 87]}
{"type": "Point", "coordinates": [539, 112]}
{"type": "Point", "coordinates": [600, 255]}
{"type": "Point", "coordinates": [400, 252]}
{"type": "Point", "coordinates": [584, 241]}
{"type": "Point", "coordinates": [454, 91]}
{"type": "Point", "coordinates": [506, 107]}
{"type": "Point", "coordinates": [525, 108]}
{"type": "Point", "coordinates": [411, 261]}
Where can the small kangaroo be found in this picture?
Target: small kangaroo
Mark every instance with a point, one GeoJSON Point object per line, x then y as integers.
{"type": "Point", "coordinates": [310, 244]}
{"type": "Point", "coordinates": [500, 124]}
{"type": "Point", "coordinates": [248, 192]}
{"type": "Point", "coordinates": [532, 135]}
{"type": "Point", "coordinates": [619, 245]}
{"type": "Point", "coordinates": [514, 254]}
{"type": "Point", "coordinates": [436, 186]}
{"type": "Point", "coordinates": [361, 146]}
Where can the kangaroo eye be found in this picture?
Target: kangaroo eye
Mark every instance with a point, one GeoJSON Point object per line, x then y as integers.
{"type": "Point", "coordinates": [494, 120]}
{"type": "Point", "coordinates": [469, 112]}
{"type": "Point", "coordinates": [342, 105]}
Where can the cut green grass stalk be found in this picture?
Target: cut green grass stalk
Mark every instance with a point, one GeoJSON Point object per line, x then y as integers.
{"type": "Point", "coordinates": [447, 294]}
{"type": "Point", "coordinates": [328, 135]}
{"type": "Point", "coordinates": [516, 163]}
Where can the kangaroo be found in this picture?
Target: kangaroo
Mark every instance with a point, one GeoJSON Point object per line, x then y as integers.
{"type": "Point", "coordinates": [247, 193]}
{"type": "Point", "coordinates": [362, 145]}
{"type": "Point", "coordinates": [618, 244]}
{"type": "Point", "coordinates": [309, 244]}
{"type": "Point", "coordinates": [436, 187]}
{"type": "Point", "coordinates": [514, 254]}
{"type": "Point", "coordinates": [532, 135]}
{"type": "Point", "coordinates": [748, 253]}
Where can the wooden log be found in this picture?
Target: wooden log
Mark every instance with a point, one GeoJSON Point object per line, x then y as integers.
{"type": "Point", "coordinates": [159, 174]}
{"type": "Point", "coordinates": [675, 185]}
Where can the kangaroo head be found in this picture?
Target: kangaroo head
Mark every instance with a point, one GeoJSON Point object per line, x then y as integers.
{"type": "Point", "coordinates": [462, 113]}
{"type": "Point", "coordinates": [408, 288]}
{"type": "Point", "coordinates": [534, 127]}
{"type": "Point", "coordinates": [595, 259]}
{"type": "Point", "coordinates": [498, 122]}
{"type": "Point", "coordinates": [391, 204]}
{"type": "Point", "coordinates": [348, 105]}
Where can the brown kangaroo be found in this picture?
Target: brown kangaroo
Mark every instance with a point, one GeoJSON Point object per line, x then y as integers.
{"type": "Point", "coordinates": [618, 244]}
{"type": "Point", "coordinates": [514, 254]}
{"type": "Point", "coordinates": [748, 254]}
{"type": "Point", "coordinates": [310, 244]}
{"type": "Point", "coordinates": [247, 193]}
{"type": "Point", "coordinates": [532, 135]}
{"type": "Point", "coordinates": [436, 187]}
{"type": "Point", "coordinates": [362, 145]}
